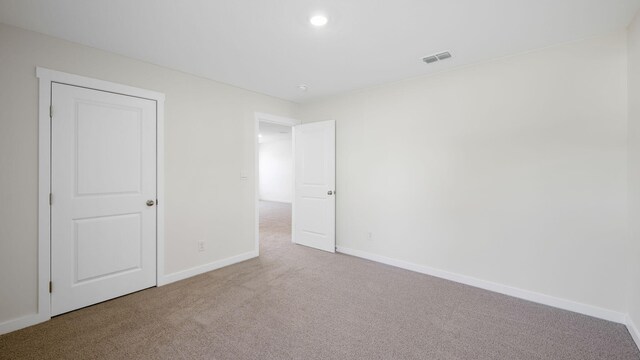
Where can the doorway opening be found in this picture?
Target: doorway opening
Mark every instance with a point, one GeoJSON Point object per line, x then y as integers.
{"type": "Point", "coordinates": [296, 196]}
{"type": "Point", "coordinates": [274, 182]}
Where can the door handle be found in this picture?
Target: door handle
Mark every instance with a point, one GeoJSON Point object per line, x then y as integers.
{"type": "Point", "coordinates": [329, 192]}
{"type": "Point", "coordinates": [150, 202]}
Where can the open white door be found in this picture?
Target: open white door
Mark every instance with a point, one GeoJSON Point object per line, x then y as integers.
{"type": "Point", "coordinates": [314, 206]}
{"type": "Point", "coordinates": [103, 185]}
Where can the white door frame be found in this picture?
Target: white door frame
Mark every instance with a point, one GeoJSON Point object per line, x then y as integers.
{"type": "Point", "coordinates": [46, 78]}
{"type": "Point", "coordinates": [274, 119]}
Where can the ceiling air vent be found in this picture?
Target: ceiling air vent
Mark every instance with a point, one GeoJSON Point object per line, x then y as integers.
{"type": "Point", "coordinates": [430, 59]}
{"type": "Point", "coordinates": [433, 58]}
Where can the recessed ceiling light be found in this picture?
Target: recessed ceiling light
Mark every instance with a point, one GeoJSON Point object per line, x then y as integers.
{"type": "Point", "coordinates": [303, 87]}
{"type": "Point", "coordinates": [319, 20]}
{"type": "Point", "coordinates": [259, 135]}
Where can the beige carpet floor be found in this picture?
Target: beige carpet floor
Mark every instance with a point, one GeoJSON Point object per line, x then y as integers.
{"type": "Point", "coordinates": [298, 303]}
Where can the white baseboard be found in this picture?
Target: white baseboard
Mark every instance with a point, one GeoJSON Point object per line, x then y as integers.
{"type": "Point", "coordinates": [180, 275]}
{"type": "Point", "coordinates": [21, 322]}
{"type": "Point", "coordinates": [564, 304]}
{"type": "Point", "coordinates": [633, 330]}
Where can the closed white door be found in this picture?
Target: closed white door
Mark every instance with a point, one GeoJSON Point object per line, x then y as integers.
{"type": "Point", "coordinates": [103, 173]}
{"type": "Point", "coordinates": [314, 206]}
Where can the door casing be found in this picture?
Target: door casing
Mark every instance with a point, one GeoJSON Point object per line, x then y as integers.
{"type": "Point", "coordinates": [46, 77]}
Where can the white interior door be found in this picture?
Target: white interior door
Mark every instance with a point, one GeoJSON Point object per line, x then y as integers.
{"type": "Point", "coordinates": [103, 173]}
{"type": "Point", "coordinates": [314, 207]}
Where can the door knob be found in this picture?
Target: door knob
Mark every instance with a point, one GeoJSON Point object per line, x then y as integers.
{"type": "Point", "coordinates": [150, 203]}
{"type": "Point", "coordinates": [329, 192]}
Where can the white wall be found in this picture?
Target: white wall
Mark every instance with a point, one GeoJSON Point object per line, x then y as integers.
{"type": "Point", "coordinates": [205, 197]}
{"type": "Point", "coordinates": [511, 171]}
{"type": "Point", "coordinates": [634, 171]}
{"type": "Point", "coordinates": [276, 170]}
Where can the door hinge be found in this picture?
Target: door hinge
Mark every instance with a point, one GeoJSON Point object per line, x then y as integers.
{"type": "Point", "coordinates": [51, 111]}
{"type": "Point", "coordinates": [50, 287]}
{"type": "Point", "coordinates": [50, 199]}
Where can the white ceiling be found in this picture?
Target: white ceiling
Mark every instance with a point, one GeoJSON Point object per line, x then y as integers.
{"type": "Point", "coordinates": [269, 46]}
{"type": "Point", "coordinates": [272, 132]}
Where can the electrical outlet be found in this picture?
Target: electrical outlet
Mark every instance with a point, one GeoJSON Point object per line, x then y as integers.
{"type": "Point", "coordinates": [200, 246]}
